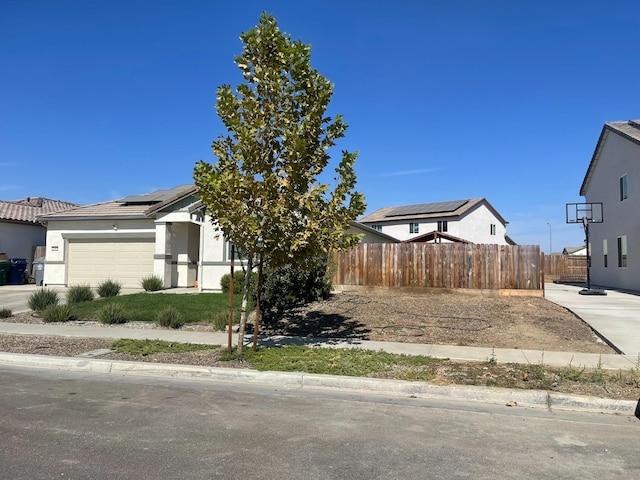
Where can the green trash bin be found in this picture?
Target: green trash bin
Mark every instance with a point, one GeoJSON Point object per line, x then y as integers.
{"type": "Point", "coordinates": [5, 265]}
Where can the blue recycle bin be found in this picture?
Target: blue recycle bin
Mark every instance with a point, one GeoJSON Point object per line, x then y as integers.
{"type": "Point", "coordinates": [16, 271]}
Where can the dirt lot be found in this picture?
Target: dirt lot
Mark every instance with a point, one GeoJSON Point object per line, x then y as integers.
{"type": "Point", "coordinates": [445, 319]}
{"type": "Point", "coordinates": [453, 319]}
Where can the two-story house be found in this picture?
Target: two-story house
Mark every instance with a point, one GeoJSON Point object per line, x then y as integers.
{"type": "Point", "coordinates": [613, 178]}
{"type": "Point", "coordinates": [472, 220]}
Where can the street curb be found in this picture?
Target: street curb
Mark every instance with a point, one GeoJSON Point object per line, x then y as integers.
{"type": "Point", "coordinates": [499, 396]}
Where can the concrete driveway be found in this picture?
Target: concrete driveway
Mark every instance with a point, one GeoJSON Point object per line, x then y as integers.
{"type": "Point", "coordinates": [16, 297]}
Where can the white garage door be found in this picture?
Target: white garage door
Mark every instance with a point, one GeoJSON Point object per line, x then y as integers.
{"type": "Point", "coordinates": [126, 261]}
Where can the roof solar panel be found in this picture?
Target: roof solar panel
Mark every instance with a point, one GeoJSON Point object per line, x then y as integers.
{"type": "Point", "coordinates": [427, 208]}
{"type": "Point", "coordinates": [154, 197]}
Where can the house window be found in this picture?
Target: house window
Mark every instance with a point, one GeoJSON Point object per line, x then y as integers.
{"type": "Point", "coordinates": [624, 194]}
{"type": "Point", "coordinates": [443, 226]}
{"type": "Point", "coordinates": [414, 228]}
{"type": "Point", "coordinates": [605, 252]}
{"type": "Point", "coordinates": [377, 227]}
{"type": "Point", "coordinates": [622, 251]}
{"type": "Point", "coordinates": [227, 253]}
{"type": "Point", "coordinates": [493, 229]}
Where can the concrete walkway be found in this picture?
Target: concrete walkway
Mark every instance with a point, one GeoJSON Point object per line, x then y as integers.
{"type": "Point", "coordinates": [502, 355]}
{"type": "Point", "coordinates": [615, 316]}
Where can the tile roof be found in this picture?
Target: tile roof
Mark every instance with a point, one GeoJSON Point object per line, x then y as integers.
{"type": "Point", "coordinates": [28, 209]}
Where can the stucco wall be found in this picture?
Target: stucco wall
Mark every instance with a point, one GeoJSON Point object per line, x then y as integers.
{"type": "Point", "coordinates": [618, 157]}
{"type": "Point", "coordinates": [18, 240]}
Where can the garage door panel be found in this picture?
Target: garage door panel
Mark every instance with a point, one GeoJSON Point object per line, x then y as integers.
{"type": "Point", "coordinates": [93, 261]}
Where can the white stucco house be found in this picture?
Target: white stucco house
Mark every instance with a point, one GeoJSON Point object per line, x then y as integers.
{"type": "Point", "coordinates": [471, 220]}
{"type": "Point", "coordinates": [163, 233]}
{"type": "Point", "coordinates": [613, 178]}
{"type": "Point", "coordinates": [20, 232]}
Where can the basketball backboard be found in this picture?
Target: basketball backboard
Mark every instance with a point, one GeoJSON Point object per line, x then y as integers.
{"type": "Point", "coordinates": [584, 213]}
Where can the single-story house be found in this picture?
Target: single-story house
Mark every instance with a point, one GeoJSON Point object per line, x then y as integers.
{"type": "Point", "coordinates": [164, 233]}
{"type": "Point", "coordinates": [20, 232]}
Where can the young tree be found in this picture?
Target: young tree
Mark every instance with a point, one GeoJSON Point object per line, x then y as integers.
{"type": "Point", "coordinates": [264, 193]}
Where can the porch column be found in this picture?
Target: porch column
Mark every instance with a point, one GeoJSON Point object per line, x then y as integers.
{"type": "Point", "coordinates": [162, 257]}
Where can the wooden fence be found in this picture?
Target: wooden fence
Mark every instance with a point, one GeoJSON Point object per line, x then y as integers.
{"type": "Point", "coordinates": [440, 266]}
{"type": "Point", "coordinates": [565, 268]}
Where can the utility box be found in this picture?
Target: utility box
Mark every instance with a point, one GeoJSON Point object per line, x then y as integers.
{"type": "Point", "coordinates": [38, 269]}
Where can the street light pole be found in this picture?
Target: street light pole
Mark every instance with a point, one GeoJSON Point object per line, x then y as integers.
{"type": "Point", "coordinates": [550, 244]}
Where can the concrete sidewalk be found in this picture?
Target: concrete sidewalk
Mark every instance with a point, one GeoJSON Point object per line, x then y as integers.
{"type": "Point", "coordinates": [615, 316]}
{"type": "Point", "coordinates": [482, 354]}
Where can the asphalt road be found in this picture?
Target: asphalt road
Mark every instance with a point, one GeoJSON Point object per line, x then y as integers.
{"type": "Point", "coordinates": [90, 426]}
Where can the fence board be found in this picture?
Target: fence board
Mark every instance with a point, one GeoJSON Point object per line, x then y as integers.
{"type": "Point", "coordinates": [447, 265]}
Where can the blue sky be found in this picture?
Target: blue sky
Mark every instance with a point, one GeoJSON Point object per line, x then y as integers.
{"type": "Point", "coordinates": [445, 100]}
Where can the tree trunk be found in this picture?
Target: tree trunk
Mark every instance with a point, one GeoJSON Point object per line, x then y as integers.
{"type": "Point", "coordinates": [256, 326]}
{"type": "Point", "coordinates": [245, 300]}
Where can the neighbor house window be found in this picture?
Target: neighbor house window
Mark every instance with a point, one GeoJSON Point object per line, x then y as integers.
{"type": "Point", "coordinates": [443, 226]}
{"type": "Point", "coordinates": [414, 228]}
{"type": "Point", "coordinates": [493, 229]}
{"type": "Point", "coordinates": [605, 252]}
{"type": "Point", "coordinates": [622, 251]}
{"type": "Point", "coordinates": [624, 194]}
{"type": "Point", "coordinates": [377, 227]}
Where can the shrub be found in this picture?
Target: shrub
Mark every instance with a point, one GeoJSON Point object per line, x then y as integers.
{"type": "Point", "coordinates": [57, 313]}
{"type": "Point", "coordinates": [288, 285]}
{"type": "Point", "coordinates": [152, 283]}
{"type": "Point", "coordinates": [112, 313]}
{"type": "Point", "coordinates": [238, 282]}
{"type": "Point", "coordinates": [220, 321]}
{"type": "Point", "coordinates": [79, 294]}
{"type": "Point", "coordinates": [108, 288]}
{"type": "Point", "coordinates": [170, 317]}
{"type": "Point", "coordinates": [42, 298]}
{"type": "Point", "coordinates": [5, 312]}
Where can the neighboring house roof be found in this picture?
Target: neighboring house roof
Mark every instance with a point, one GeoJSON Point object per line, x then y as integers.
{"type": "Point", "coordinates": [574, 250]}
{"type": "Point", "coordinates": [450, 209]}
{"type": "Point", "coordinates": [135, 206]}
{"type": "Point", "coordinates": [373, 231]}
{"type": "Point", "coordinates": [29, 209]}
{"type": "Point", "coordinates": [629, 130]}
{"type": "Point", "coordinates": [434, 236]}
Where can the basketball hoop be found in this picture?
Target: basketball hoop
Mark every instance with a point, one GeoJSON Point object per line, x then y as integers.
{"type": "Point", "coordinates": [584, 214]}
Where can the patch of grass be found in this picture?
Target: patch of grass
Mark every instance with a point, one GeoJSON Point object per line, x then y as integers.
{"type": "Point", "coordinates": [170, 317]}
{"type": "Point", "coordinates": [142, 307]}
{"type": "Point", "coordinates": [5, 312]}
{"type": "Point", "coordinates": [147, 347]}
{"type": "Point", "coordinates": [42, 298]}
{"type": "Point", "coordinates": [57, 313]}
{"type": "Point", "coordinates": [152, 283]}
{"type": "Point", "coordinates": [112, 313]}
{"type": "Point", "coordinates": [349, 362]}
{"type": "Point", "coordinates": [108, 289]}
{"type": "Point", "coordinates": [79, 294]}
